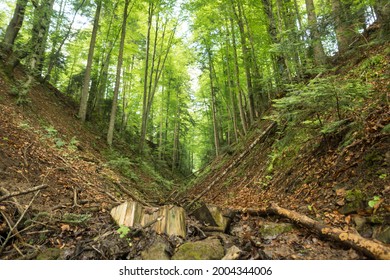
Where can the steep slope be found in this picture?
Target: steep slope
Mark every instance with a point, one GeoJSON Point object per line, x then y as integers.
{"type": "Point", "coordinates": [43, 144]}
{"type": "Point", "coordinates": [341, 178]}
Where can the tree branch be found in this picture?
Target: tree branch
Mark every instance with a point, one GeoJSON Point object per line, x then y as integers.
{"type": "Point", "coordinates": [4, 197]}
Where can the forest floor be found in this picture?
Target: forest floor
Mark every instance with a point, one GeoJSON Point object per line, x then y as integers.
{"type": "Point", "coordinates": [43, 144]}
{"type": "Point", "coordinates": [328, 181]}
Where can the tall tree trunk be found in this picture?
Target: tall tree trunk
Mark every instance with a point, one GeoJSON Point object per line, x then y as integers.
{"type": "Point", "coordinates": [146, 73]}
{"type": "Point", "coordinates": [246, 58]}
{"type": "Point", "coordinates": [14, 25]}
{"type": "Point", "coordinates": [238, 83]}
{"type": "Point", "coordinates": [278, 59]}
{"type": "Point", "coordinates": [213, 104]}
{"type": "Point", "coordinates": [154, 81]}
{"type": "Point", "coordinates": [382, 10]}
{"type": "Point", "coordinates": [343, 25]}
{"type": "Point", "coordinates": [97, 89]}
{"type": "Point", "coordinates": [176, 136]}
{"type": "Point", "coordinates": [318, 50]}
{"type": "Point", "coordinates": [111, 126]}
{"type": "Point", "coordinates": [230, 89]}
{"type": "Point", "coordinates": [87, 76]}
{"type": "Point", "coordinates": [40, 30]}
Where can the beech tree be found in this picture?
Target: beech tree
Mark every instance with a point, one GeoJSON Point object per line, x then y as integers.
{"type": "Point", "coordinates": [88, 69]}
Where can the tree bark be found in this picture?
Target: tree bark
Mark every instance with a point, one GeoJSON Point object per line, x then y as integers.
{"type": "Point", "coordinates": [14, 25]}
{"type": "Point", "coordinates": [342, 16]}
{"type": "Point", "coordinates": [246, 58]}
{"type": "Point", "coordinates": [318, 50]}
{"type": "Point", "coordinates": [87, 76]}
{"type": "Point", "coordinates": [371, 248]}
{"type": "Point", "coordinates": [382, 10]}
{"type": "Point", "coordinates": [213, 103]}
{"type": "Point", "coordinates": [40, 30]}
{"type": "Point", "coordinates": [110, 133]}
{"type": "Point", "coordinates": [146, 73]}
{"type": "Point", "coordinates": [238, 83]}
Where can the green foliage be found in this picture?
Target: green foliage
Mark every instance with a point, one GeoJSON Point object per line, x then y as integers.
{"type": "Point", "coordinates": [24, 125]}
{"type": "Point", "coordinates": [374, 201]}
{"type": "Point", "coordinates": [322, 106]}
{"type": "Point", "coordinates": [332, 127]}
{"type": "Point", "coordinates": [59, 142]}
{"type": "Point", "coordinates": [51, 131]}
{"type": "Point", "coordinates": [123, 231]}
{"type": "Point", "coordinates": [73, 218]}
{"type": "Point", "coordinates": [386, 129]}
{"type": "Point", "coordinates": [160, 180]}
{"type": "Point", "coordinates": [372, 62]}
{"type": "Point", "coordinates": [319, 100]}
{"type": "Point", "coordinates": [72, 145]}
{"type": "Point", "coordinates": [124, 166]}
{"type": "Point", "coordinates": [20, 91]}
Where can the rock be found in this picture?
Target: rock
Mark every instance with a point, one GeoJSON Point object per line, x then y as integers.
{"type": "Point", "coordinates": [219, 217]}
{"type": "Point", "coordinates": [233, 253]}
{"type": "Point", "coordinates": [207, 249]}
{"type": "Point", "coordinates": [213, 216]}
{"type": "Point", "coordinates": [273, 230]}
{"type": "Point", "coordinates": [384, 235]}
{"type": "Point", "coordinates": [157, 251]}
{"type": "Point", "coordinates": [203, 214]}
{"type": "Point", "coordinates": [362, 226]}
{"type": "Point", "coordinates": [359, 221]}
{"type": "Point", "coordinates": [353, 202]}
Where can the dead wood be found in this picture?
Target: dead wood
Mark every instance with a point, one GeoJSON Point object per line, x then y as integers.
{"type": "Point", "coordinates": [370, 248]}
{"type": "Point", "coordinates": [12, 194]}
{"type": "Point", "coordinates": [13, 228]}
{"type": "Point", "coordinates": [14, 201]}
{"type": "Point", "coordinates": [235, 162]}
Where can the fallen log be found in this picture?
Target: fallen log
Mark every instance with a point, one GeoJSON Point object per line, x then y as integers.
{"type": "Point", "coordinates": [371, 248]}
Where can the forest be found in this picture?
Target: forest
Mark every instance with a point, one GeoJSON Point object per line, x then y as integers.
{"type": "Point", "coordinates": [255, 108]}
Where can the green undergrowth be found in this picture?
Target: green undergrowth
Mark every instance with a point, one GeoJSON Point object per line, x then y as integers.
{"type": "Point", "coordinates": [327, 109]}
{"type": "Point", "coordinates": [135, 167]}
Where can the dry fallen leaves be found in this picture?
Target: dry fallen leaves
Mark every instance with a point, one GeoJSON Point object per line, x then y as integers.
{"type": "Point", "coordinates": [65, 227]}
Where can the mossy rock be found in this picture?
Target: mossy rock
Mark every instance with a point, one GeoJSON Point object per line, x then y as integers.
{"type": "Point", "coordinates": [157, 251]}
{"type": "Point", "coordinates": [354, 202]}
{"type": "Point", "coordinates": [208, 249]}
{"type": "Point", "coordinates": [50, 254]}
{"type": "Point", "coordinates": [273, 230]}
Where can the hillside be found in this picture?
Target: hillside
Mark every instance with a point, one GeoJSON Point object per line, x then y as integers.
{"type": "Point", "coordinates": [42, 143]}
{"type": "Point", "coordinates": [333, 178]}
{"type": "Point", "coordinates": [194, 130]}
